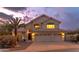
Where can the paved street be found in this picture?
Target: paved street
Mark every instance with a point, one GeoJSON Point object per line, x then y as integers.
{"type": "Point", "coordinates": [51, 47]}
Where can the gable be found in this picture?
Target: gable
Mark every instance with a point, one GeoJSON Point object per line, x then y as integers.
{"type": "Point", "coordinates": [44, 18]}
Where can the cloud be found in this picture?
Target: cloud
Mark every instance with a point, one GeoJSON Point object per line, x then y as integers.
{"type": "Point", "coordinates": [16, 9]}
{"type": "Point", "coordinates": [10, 12]}
{"type": "Point", "coordinates": [5, 16]}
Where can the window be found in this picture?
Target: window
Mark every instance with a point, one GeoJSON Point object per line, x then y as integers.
{"type": "Point", "coordinates": [36, 26]}
{"type": "Point", "coordinates": [50, 26]}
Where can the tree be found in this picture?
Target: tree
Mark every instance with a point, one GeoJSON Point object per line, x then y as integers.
{"type": "Point", "coordinates": [12, 24]}
{"type": "Point", "coordinates": [15, 23]}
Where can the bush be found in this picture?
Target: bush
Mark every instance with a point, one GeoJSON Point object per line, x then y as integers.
{"type": "Point", "coordinates": [7, 41]}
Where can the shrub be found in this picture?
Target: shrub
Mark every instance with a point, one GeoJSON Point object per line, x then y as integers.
{"type": "Point", "coordinates": [7, 41]}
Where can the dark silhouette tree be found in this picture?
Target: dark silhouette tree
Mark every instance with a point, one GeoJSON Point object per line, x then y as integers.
{"type": "Point", "coordinates": [15, 23]}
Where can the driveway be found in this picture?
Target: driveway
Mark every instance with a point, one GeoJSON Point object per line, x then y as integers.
{"type": "Point", "coordinates": [51, 47]}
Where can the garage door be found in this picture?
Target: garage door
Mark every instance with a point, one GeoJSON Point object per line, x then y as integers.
{"type": "Point", "coordinates": [40, 38]}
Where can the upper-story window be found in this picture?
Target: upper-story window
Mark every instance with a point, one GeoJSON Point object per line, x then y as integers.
{"type": "Point", "coordinates": [50, 26]}
{"type": "Point", "coordinates": [36, 26]}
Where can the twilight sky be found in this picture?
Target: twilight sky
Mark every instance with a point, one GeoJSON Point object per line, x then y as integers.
{"type": "Point", "coordinates": [69, 16]}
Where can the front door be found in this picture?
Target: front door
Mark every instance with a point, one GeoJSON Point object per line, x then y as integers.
{"type": "Point", "coordinates": [29, 33]}
{"type": "Point", "coordinates": [29, 36]}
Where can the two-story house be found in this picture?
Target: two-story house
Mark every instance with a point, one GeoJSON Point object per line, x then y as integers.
{"type": "Point", "coordinates": [44, 28]}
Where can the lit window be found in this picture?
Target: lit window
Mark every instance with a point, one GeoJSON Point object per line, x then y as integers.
{"type": "Point", "coordinates": [37, 26]}
{"type": "Point", "coordinates": [50, 26]}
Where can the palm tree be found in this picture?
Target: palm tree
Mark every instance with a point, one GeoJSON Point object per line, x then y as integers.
{"type": "Point", "coordinates": [12, 24]}
{"type": "Point", "coordinates": [15, 23]}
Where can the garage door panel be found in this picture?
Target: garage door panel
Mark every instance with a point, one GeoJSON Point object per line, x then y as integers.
{"type": "Point", "coordinates": [43, 38]}
{"type": "Point", "coordinates": [48, 38]}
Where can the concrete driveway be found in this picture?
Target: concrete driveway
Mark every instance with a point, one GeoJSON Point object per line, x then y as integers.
{"type": "Point", "coordinates": [51, 47]}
